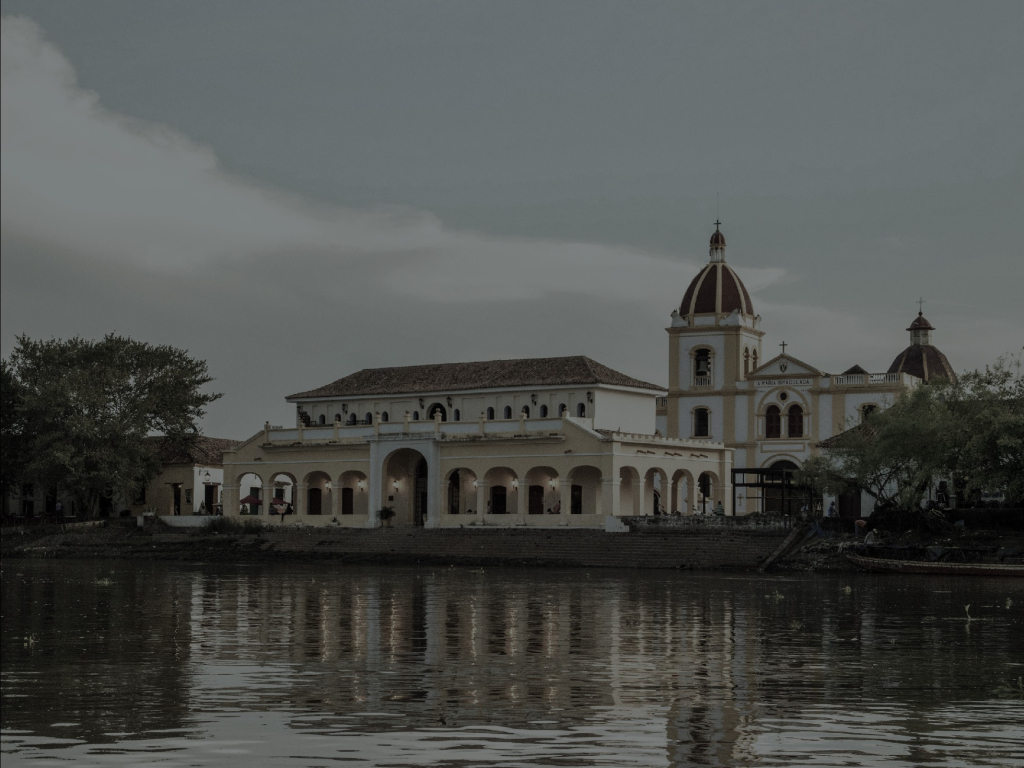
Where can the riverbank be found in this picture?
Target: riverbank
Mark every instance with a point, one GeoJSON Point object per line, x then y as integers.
{"type": "Point", "coordinates": [690, 548]}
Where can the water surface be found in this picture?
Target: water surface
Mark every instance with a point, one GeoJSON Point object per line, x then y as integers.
{"type": "Point", "coordinates": [126, 663]}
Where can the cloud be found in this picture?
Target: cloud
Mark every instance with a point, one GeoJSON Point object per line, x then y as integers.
{"type": "Point", "coordinates": [79, 177]}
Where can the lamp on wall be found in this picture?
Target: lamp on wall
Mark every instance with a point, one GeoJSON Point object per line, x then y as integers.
{"type": "Point", "coordinates": [344, 407]}
{"type": "Point", "coordinates": [515, 485]}
{"type": "Point", "coordinates": [423, 403]}
{"type": "Point", "coordinates": [590, 397]}
{"type": "Point", "coordinates": [533, 399]}
{"type": "Point", "coordinates": [449, 401]}
{"type": "Point", "coordinates": [206, 477]}
{"type": "Point", "coordinates": [362, 485]}
{"type": "Point", "coordinates": [395, 485]}
{"type": "Point", "coordinates": [327, 485]}
{"type": "Point", "coordinates": [551, 482]}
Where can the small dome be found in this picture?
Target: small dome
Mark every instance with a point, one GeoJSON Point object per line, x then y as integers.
{"type": "Point", "coordinates": [921, 324]}
{"type": "Point", "coordinates": [716, 290]}
{"type": "Point", "coordinates": [718, 239]}
{"type": "Point", "coordinates": [924, 361]}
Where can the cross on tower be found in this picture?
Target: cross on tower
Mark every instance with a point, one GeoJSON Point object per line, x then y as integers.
{"type": "Point", "coordinates": [783, 345]}
{"type": "Point", "coordinates": [717, 224]}
{"type": "Point", "coordinates": [920, 306]}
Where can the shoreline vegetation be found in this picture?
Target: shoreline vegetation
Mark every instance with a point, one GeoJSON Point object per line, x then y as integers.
{"type": "Point", "coordinates": [742, 548]}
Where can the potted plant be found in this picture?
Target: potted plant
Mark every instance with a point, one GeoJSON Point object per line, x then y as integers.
{"type": "Point", "coordinates": [386, 515]}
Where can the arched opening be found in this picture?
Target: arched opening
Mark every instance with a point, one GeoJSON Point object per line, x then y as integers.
{"type": "Point", "coordinates": [319, 493]}
{"type": "Point", "coordinates": [543, 411]}
{"type": "Point", "coordinates": [368, 419]}
{"type": "Point", "coordinates": [284, 499]}
{"type": "Point", "coordinates": [706, 487]}
{"type": "Point", "coordinates": [753, 360]}
{"type": "Point", "coordinates": [337, 418]}
{"type": "Point", "coordinates": [405, 487]}
{"type": "Point", "coordinates": [461, 490]}
{"type": "Point", "coordinates": [323, 419]}
{"type": "Point", "coordinates": [655, 489]}
{"type": "Point", "coordinates": [384, 416]}
{"type": "Point", "coordinates": [507, 412]}
{"type": "Point", "coordinates": [503, 486]}
{"type": "Point", "coordinates": [795, 427]}
{"type": "Point", "coordinates": [457, 415]}
{"type": "Point", "coordinates": [585, 490]}
{"type": "Point", "coordinates": [250, 494]}
{"type": "Point", "coordinates": [562, 408]}
{"type": "Point", "coordinates": [773, 422]}
{"type": "Point", "coordinates": [435, 409]}
{"type": "Point", "coordinates": [355, 498]}
{"type": "Point", "coordinates": [683, 493]}
{"type": "Point", "coordinates": [702, 363]}
{"type": "Point", "coordinates": [746, 360]}
{"type": "Point", "coordinates": [701, 422]}
{"type": "Point", "coordinates": [581, 410]}
{"type": "Point", "coordinates": [780, 494]}
{"type": "Point", "coordinates": [630, 491]}
{"type": "Point", "coordinates": [543, 493]}
{"type": "Point", "coordinates": [867, 410]}
{"type": "Point", "coordinates": [351, 420]}
{"type": "Point", "coordinates": [526, 411]}
{"type": "Point", "coordinates": [490, 414]}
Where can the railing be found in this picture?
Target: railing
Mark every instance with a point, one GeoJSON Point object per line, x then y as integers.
{"type": "Point", "coordinates": [860, 379]}
{"type": "Point", "coordinates": [321, 434]}
{"type": "Point", "coordinates": [702, 381]}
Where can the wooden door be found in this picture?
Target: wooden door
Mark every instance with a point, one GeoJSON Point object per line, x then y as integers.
{"type": "Point", "coordinates": [536, 500]}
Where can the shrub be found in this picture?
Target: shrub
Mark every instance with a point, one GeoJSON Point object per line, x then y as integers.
{"type": "Point", "coordinates": [234, 525]}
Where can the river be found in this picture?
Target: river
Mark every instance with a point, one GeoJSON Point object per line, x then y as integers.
{"type": "Point", "coordinates": [167, 664]}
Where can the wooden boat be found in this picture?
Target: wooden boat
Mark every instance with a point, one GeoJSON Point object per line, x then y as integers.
{"type": "Point", "coordinates": [879, 564]}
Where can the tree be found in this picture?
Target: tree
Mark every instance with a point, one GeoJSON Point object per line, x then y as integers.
{"type": "Point", "coordinates": [986, 443]}
{"type": "Point", "coordinates": [893, 455]}
{"type": "Point", "coordinates": [88, 407]}
{"type": "Point", "coordinates": [12, 432]}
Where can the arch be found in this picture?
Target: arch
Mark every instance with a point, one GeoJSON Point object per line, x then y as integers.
{"type": "Point", "coordinates": [795, 421]}
{"type": "Point", "coordinates": [772, 422]}
{"type": "Point", "coordinates": [405, 474]}
{"type": "Point", "coordinates": [585, 484]}
{"type": "Point", "coordinates": [436, 408]}
{"type": "Point", "coordinates": [490, 414]}
{"type": "Point", "coordinates": [867, 410]}
{"type": "Point", "coordinates": [384, 416]}
{"type": "Point", "coordinates": [746, 361]}
{"type": "Point", "coordinates": [526, 411]}
{"type": "Point", "coordinates": [284, 487]}
{"type": "Point", "coordinates": [562, 408]}
{"type": "Point", "coordinates": [415, 415]}
{"type": "Point", "coordinates": [684, 493]}
{"type": "Point", "coordinates": [708, 492]}
{"type": "Point", "coordinates": [630, 491]}
{"type": "Point", "coordinates": [249, 484]}
{"type": "Point", "coordinates": [460, 492]}
{"type": "Point", "coordinates": [503, 491]}
{"type": "Point", "coordinates": [337, 418]}
{"type": "Point", "coordinates": [581, 410]}
{"type": "Point", "coordinates": [543, 411]}
{"type": "Point", "coordinates": [543, 491]}
{"type": "Point", "coordinates": [355, 494]}
{"type": "Point", "coordinates": [701, 422]}
{"type": "Point", "coordinates": [457, 415]}
{"type": "Point", "coordinates": [702, 362]}
{"type": "Point", "coordinates": [753, 359]}
{"type": "Point", "coordinates": [319, 493]}
{"type": "Point", "coordinates": [368, 419]}
{"type": "Point", "coordinates": [507, 413]}
{"type": "Point", "coordinates": [351, 419]}
{"type": "Point", "coordinates": [655, 490]}
{"type": "Point", "coordinates": [777, 493]}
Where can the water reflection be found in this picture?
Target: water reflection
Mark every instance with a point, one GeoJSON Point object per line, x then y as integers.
{"type": "Point", "coordinates": [434, 666]}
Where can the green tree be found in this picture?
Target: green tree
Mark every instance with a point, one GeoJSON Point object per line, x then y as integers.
{"type": "Point", "coordinates": [88, 407]}
{"type": "Point", "coordinates": [12, 432]}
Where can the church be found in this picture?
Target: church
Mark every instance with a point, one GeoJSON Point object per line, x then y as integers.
{"type": "Point", "coordinates": [567, 441]}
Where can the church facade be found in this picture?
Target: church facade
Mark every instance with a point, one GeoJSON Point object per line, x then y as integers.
{"type": "Point", "coordinates": [567, 441]}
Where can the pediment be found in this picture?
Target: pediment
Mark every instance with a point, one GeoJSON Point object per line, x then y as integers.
{"type": "Point", "coordinates": [784, 365]}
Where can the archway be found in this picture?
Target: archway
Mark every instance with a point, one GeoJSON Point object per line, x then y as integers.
{"type": "Point", "coordinates": [460, 487]}
{"type": "Point", "coordinates": [405, 484]}
{"type": "Point", "coordinates": [708, 490]}
{"type": "Point", "coordinates": [585, 490]}
{"type": "Point", "coordinates": [319, 493]}
{"type": "Point", "coordinates": [683, 493]}
{"type": "Point", "coordinates": [780, 494]}
{"type": "Point", "coordinates": [542, 490]}
{"type": "Point", "coordinates": [655, 491]}
{"type": "Point", "coordinates": [284, 487]}
{"type": "Point", "coordinates": [503, 489]}
{"type": "Point", "coordinates": [250, 486]}
{"type": "Point", "coordinates": [354, 497]}
{"type": "Point", "coordinates": [435, 409]}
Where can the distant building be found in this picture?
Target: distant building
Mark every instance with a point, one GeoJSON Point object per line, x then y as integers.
{"type": "Point", "coordinates": [189, 482]}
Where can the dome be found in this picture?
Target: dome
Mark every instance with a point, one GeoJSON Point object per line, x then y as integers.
{"type": "Point", "coordinates": [716, 290]}
{"type": "Point", "coordinates": [924, 361]}
{"type": "Point", "coordinates": [921, 324]}
{"type": "Point", "coordinates": [717, 239]}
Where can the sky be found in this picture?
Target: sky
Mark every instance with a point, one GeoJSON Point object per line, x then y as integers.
{"type": "Point", "coordinates": [296, 191]}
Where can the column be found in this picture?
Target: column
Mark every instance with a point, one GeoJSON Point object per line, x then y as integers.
{"type": "Point", "coordinates": [268, 495]}
{"type": "Point", "coordinates": [522, 497]}
{"type": "Point", "coordinates": [229, 501]}
{"type": "Point", "coordinates": [301, 499]}
{"type": "Point", "coordinates": [611, 496]}
{"type": "Point", "coordinates": [565, 500]}
{"type": "Point", "coordinates": [336, 499]}
{"type": "Point", "coordinates": [481, 500]}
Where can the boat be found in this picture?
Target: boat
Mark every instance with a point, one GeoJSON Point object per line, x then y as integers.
{"type": "Point", "coordinates": [885, 565]}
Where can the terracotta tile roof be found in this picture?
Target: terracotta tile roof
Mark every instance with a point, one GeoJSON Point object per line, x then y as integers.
{"type": "Point", "coordinates": [489, 374]}
{"type": "Point", "coordinates": [207, 451]}
{"type": "Point", "coordinates": [702, 295]}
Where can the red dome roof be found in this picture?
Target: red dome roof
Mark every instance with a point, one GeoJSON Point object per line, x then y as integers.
{"type": "Point", "coordinates": [716, 290]}
{"type": "Point", "coordinates": [924, 361]}
{"type": "Point", "coordinates": [920, 323]}
{"type": "Point", "coordinates": [717, 239]}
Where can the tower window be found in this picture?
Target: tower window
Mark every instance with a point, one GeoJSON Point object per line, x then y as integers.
{"type": "Point", "coordinates": [702, 363]}
{"type": "Point", "coordinates": [746, 361]}
{"type": "Point", "coordinates": [701, 422]}
{"type": "Point", "coordinates": [773, 422]}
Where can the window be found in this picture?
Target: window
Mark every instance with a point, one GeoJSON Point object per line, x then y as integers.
{"type": "Point", "coordinates": [867, 410]}
{"type": "Point", "coordinates": [526, 411]}
{"type": "Point", "coordinates": [453, 493]}
{"type": "Point", "coordinates": [753, 360]}
{"type": "Point", "coordinates": [415, 415]}
{"type": "Point", "coordinates": [384, 416]}
{"type": "Point", "coordinates": [337, 418]}
{"type": "Point", "coordinates": [796, 421]}
{"type": "Point", "coordinates": [457, 415]}
{"type": "Point", "coordinates": [508, 411]}
{"type": "Point", "coordinates": [368, 419]}
{"type": "Point", "coordinates": [562, 408]}
{"type": "Point", "coordinates": [581, 410]}
{"type": "Point", "coordinates": [701, 422]}
{"type": "Point", "coordinates": [702, 363]}
{"type": "Point", "coordinates": [347, 501]}
{"type": "Point", "coordinates": [322, 419]}
{"type": "Point", "coordinates": [576, 500]}
{"type": "Point", "coordinates": [490, 414]}
{"type": "Point", "coordinates": [746, 361]}
{"type": "Point", "coordinates": [543, 411]}
{"type": "Point", "coordinates": [351, 419]}
{"type": "Point", "coordinates": [773, 422]}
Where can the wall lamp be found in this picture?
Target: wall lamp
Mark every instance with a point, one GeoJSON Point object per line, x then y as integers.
{"type": "Point", "coordinates": [590, 397]}
{"type": "Point", "coordinates": [362, 485]}
{"type": "Point", "coordinates": [344, 407]}
{"type": "Point", "coordinates": [533, 398]}
{"type": "Point", "coordinates": [449, 401]}
{"type": "Point", "coordinates": [395, 485]}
